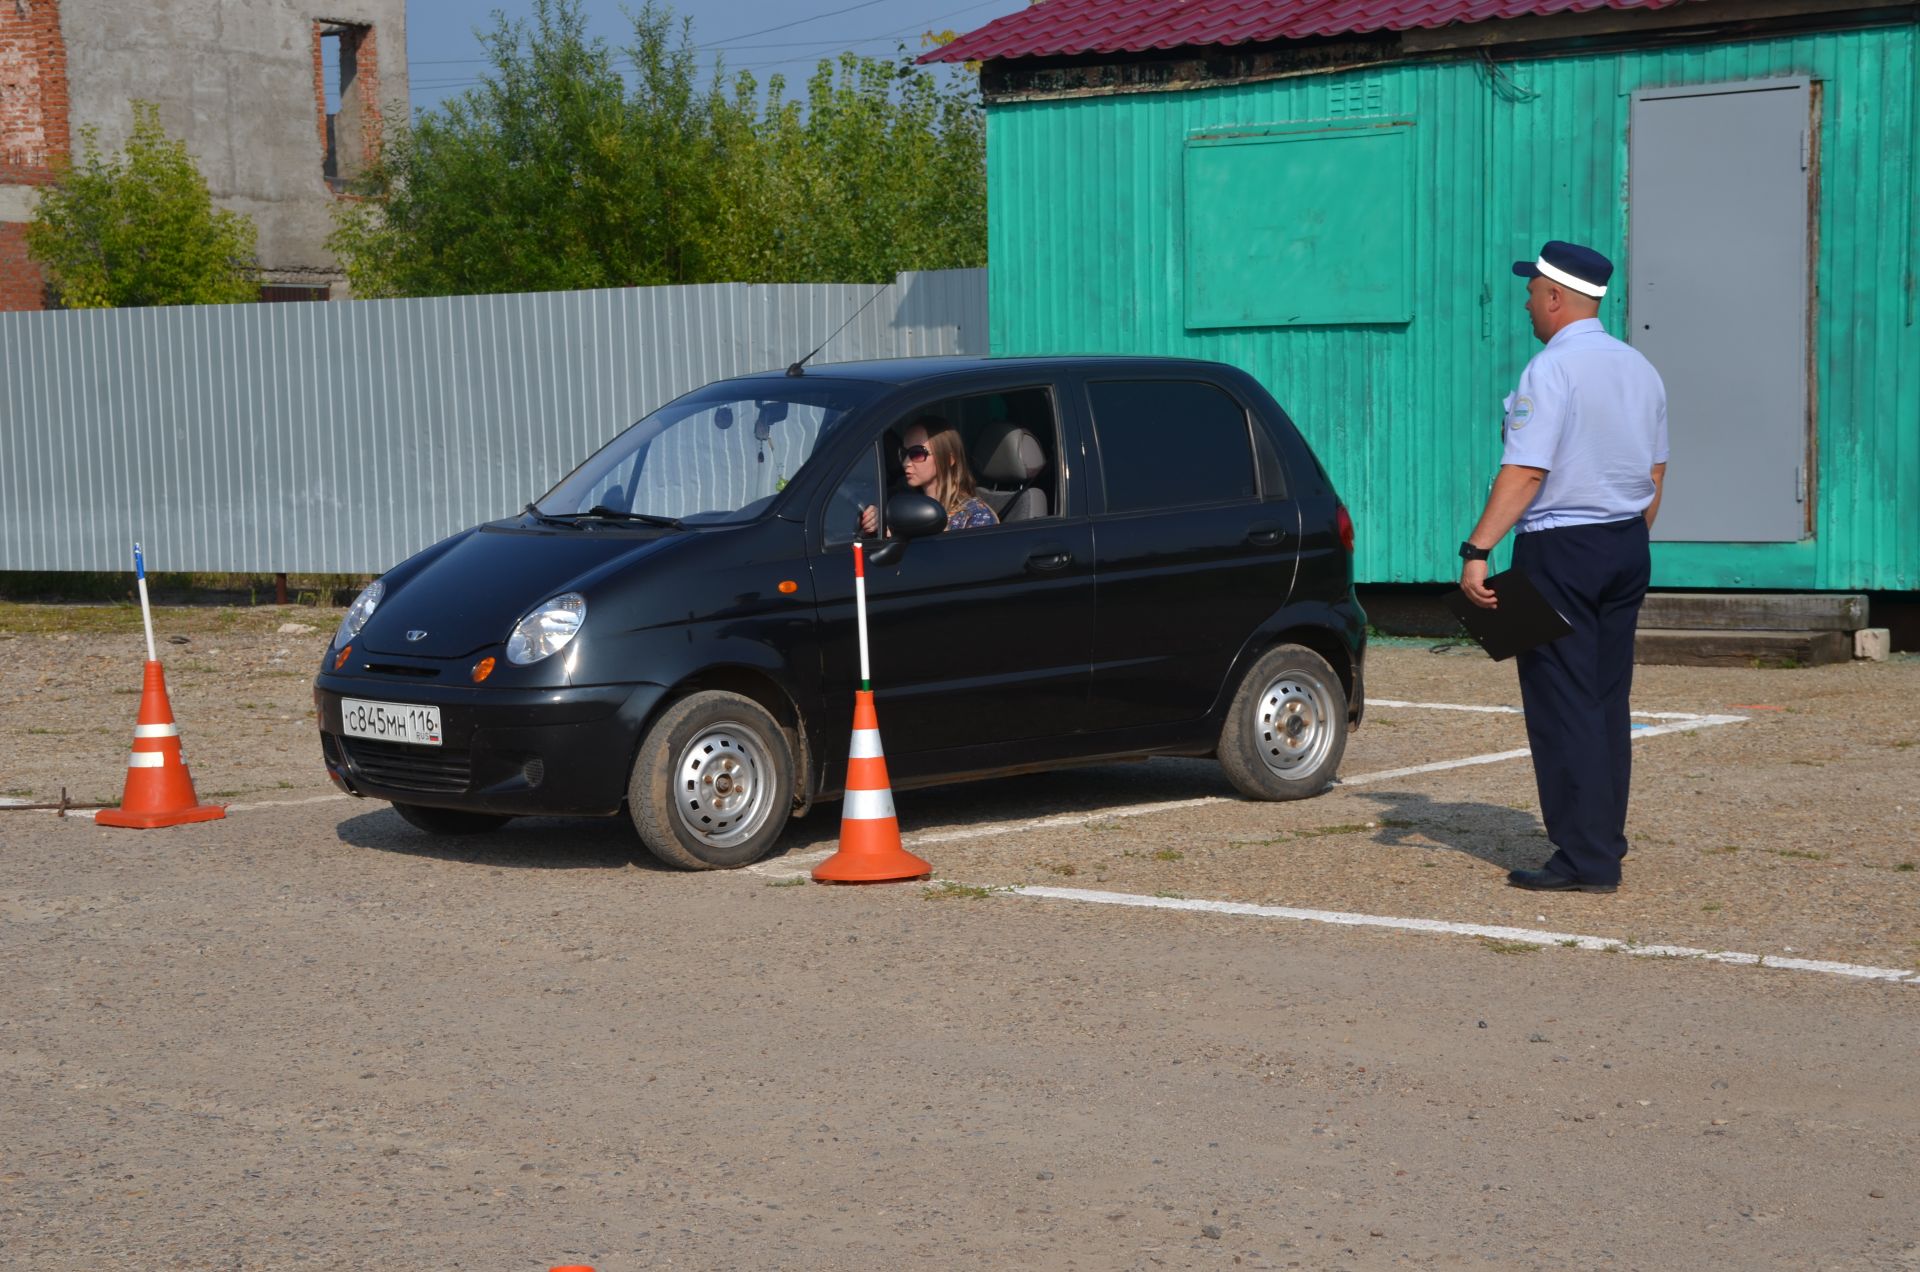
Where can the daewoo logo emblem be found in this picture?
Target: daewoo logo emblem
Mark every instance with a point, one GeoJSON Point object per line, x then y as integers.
{"type": "Point", "coordinates": [416, 634]}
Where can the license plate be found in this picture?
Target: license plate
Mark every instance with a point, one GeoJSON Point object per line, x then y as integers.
{"type": "Point", "coordinates": [390, 722]}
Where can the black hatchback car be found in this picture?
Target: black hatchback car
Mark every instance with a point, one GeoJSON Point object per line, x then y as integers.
{"type": "Point", "coordinates": [671, 629]}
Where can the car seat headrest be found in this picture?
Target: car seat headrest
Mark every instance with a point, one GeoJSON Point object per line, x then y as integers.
{"type": "Point", "coordinates": [1006, 453]}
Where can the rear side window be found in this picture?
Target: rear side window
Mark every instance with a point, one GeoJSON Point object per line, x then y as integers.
{"type": "Point", "coordinates": [1170, 444]}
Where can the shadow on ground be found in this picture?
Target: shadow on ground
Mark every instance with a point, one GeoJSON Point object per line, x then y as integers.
{"type": "Point", "coordinates": [1506, 837]}
{"type": "Point", "coordinates": [609, 843]}
{"type": "Point", "coordinates": [533, 843]}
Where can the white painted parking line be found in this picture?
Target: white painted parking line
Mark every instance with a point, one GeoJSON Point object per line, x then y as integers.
{"type": "Point", "coordinates": [1462, 706]}
{"type": "Point", "coordinates": [1491, 757]}
{"type": "Point", "coordinates": [285, 803]}
{"type": "Point", "coordinates": [1684, 724]}
{"type": "Point", "coordinates": [784, 867]}
{"type": "Point", "coordinates": [780, 868]}
{"type": "Point", "coordinates": [88, 813]}
{"type": "Point", "coordinates": [1531, 936]}
{"type": "Point", "coordinates": [1678, 722]}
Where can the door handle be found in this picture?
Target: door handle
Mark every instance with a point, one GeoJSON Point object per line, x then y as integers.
{"type": "Point", "coordinates": [1265, 534]}
{"type": "Point", "coordinates": [1043, 560]}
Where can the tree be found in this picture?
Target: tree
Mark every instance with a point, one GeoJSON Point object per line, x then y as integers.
{"type": "Point", "coordinates": [558, 172]}
{"type": "Point", "coordinates": [139, 228]}
{"type": "Point", "coordinates": [530, 182]}
{"type": "Point", "coordinates": [884, 171]}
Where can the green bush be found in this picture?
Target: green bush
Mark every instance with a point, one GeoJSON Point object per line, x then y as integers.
{"type": "Point", "coordinates": [139, 228]}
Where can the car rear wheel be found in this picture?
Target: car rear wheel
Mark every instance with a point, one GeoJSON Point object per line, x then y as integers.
{"type": "Point", "coordinates": [1287, 728]}
{"type": "Point", "coordinates": [449, 821]}
{"type": "Point", "coordinates": [713, 784]}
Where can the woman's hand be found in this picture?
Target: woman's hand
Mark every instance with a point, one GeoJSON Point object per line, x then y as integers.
{"type": "Point", "coordinates": [869, 521]}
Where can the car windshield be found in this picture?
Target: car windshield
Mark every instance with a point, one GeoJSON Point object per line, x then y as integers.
{"type": "Point", "coordinates": [718, 455]}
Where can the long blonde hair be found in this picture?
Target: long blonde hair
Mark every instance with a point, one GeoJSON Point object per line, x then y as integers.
{"type": "Point", "coordinates": [950, 467]}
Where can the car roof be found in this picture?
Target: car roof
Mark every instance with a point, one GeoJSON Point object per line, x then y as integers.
{"type": "Point", "coordinates": [907, 371]}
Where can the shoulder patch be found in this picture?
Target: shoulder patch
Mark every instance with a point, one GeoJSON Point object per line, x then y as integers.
{"type": "Point", "coordinates": [1522, 412]}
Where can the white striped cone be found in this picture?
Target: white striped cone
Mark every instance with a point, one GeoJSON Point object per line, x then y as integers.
{"type": "Point", "coordinates": [870, 850]}
{"type": "Point", "coordinates": [159, 789]}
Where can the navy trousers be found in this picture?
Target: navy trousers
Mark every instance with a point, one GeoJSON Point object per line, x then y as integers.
{"type": "Point", "coordinates": [1575, 689]}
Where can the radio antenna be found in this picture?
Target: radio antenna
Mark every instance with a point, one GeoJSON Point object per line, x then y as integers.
{"type": "Point", "coordinates": [795, 369]}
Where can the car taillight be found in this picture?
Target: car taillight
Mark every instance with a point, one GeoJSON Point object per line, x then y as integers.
{"type": "Point", "coordinates": [1344, 525]}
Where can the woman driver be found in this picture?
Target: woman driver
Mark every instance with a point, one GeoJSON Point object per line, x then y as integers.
{"type": "Point", "coordinates": [936, 465]}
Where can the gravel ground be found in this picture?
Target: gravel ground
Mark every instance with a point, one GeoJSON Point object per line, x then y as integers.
{"type": "Point", "coordinates": [1796, 830]}
{"type": "Point", "coordinates": [308, 1037]}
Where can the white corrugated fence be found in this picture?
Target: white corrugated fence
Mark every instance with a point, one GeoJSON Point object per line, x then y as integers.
{"type": "Point", "coordinates": [341, 438]}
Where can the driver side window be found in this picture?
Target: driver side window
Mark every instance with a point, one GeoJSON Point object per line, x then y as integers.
{"type": "Point", "coordinates": [1009, 440]}
{"type": "Point", "coordinates": [860, 489]}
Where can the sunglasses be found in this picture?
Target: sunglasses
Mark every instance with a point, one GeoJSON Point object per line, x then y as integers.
{"type": "Point", "coordinates": [917, 453]}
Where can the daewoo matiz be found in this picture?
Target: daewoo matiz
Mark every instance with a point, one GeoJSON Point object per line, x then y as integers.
{"type": "Point", "coordinates": [670, 631]}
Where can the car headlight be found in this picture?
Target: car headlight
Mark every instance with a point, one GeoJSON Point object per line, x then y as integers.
{"type": "Point", "coordinates": [359, 612]}
{"type": "Point", "coordinates": [547, 628]}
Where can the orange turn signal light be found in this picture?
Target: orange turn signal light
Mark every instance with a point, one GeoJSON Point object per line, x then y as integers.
{"type": "Point", "coordinates": [340, 659]}
{"type": "Point", "coordinates": [788, 587]}
{"type": "Point", "coordinates": [481, 670]}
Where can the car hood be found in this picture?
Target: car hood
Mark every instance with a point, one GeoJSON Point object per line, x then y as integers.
{"type": "Point", "coordinates": [472, 594]}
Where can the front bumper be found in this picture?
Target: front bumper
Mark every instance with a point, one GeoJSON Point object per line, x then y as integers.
{"type": "Point", "coordinates": [517, 752]}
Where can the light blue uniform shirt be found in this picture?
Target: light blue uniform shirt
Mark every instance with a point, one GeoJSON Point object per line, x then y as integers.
{"type": "Point", "coordinates": [1592, 411]}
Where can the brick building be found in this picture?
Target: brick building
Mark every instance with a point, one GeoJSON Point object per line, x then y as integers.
{"type": "Point", "coordinates": [279, 101]}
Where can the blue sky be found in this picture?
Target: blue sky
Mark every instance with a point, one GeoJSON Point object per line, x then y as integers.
{"type": "Point", "coordinates": [765, 36]}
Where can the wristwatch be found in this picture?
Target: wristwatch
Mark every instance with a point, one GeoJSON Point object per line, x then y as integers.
{"type": "Point", "coordinates": [1470, 553]}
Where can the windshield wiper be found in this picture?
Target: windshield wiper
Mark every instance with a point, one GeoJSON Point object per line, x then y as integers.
{"type": "Point", "coordinates": [605, 513]}
{"type": "Point", "coordinates": [600, 512]}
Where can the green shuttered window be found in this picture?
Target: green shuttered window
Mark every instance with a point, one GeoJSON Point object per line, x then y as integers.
{"type": "Point", "coordinates": [1299, 224]}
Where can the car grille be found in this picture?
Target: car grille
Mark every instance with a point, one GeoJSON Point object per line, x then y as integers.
{"type": "Point", "coordinates": [400, 767]}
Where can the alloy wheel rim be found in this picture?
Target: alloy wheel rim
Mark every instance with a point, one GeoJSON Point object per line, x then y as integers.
{"type": "Point", "coordinates": [723, 778]}
{"type": "Point", "coordinates": [1293, 725]}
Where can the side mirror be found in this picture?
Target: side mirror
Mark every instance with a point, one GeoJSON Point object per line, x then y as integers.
{"type": "Point", "coordinates": [909, 516]}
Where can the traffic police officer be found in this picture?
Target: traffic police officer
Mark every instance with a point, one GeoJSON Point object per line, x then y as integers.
{"type": "Point", "coordinates": [1581, 471]}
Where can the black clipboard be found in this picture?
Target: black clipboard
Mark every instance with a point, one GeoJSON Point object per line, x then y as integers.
{"type": "Point", "coordinates": [1525, 620]}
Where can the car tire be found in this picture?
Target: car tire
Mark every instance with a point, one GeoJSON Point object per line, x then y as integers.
{"type": "Point", "coordinates": [1287, 728]}
{"type": "Point", "coordinates": [712, 786]}
{"type": "Point", "coordinates": [449, 821]}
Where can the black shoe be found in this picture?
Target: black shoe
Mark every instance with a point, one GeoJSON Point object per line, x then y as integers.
{"type": "Point", "coordinates": [1548, 881]}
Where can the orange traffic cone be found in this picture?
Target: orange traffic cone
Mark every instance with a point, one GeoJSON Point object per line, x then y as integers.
{"type": "Point", "coordinates": [159, 790]}
{"type": "Point", "coordinates": [870, 850]}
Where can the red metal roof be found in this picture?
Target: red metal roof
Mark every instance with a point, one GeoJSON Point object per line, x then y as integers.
{"type": "Point", "coordinates": [1064, 27]}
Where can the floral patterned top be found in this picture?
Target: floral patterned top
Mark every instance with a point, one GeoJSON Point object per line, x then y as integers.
{"type": "Point", "coordinates": [972, 515]}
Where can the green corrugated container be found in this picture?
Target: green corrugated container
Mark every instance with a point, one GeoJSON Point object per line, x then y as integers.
{"type": "Point", "coordinates": [1089, 251]}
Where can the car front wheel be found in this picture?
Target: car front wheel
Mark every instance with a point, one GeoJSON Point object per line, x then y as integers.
{"type": "Point", "coordinates": [1287, 728]}
{"type": "Point", "coordinates": [713, 783]}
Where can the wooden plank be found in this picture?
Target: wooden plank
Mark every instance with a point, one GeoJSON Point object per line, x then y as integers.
{"type": "Point", "coordinates": [1756, 611]}
{"type": "Point", "coordinates": [1741, 648]}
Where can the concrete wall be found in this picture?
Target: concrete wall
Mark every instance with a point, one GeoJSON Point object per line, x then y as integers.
{"type": "Point", "coordinates": [239, 80]}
